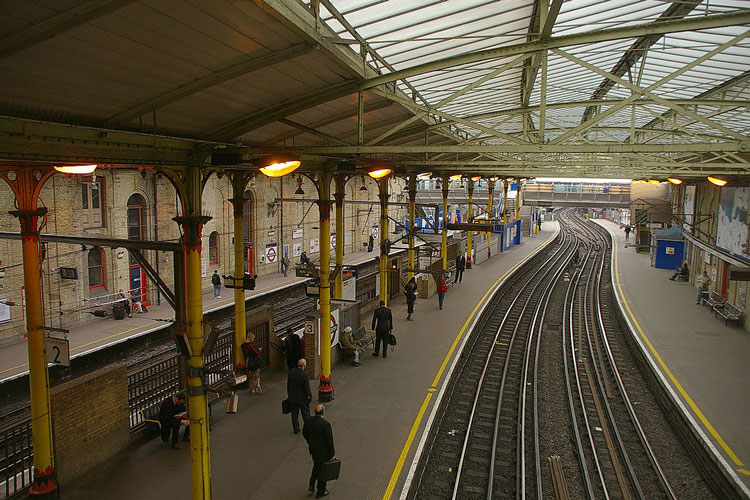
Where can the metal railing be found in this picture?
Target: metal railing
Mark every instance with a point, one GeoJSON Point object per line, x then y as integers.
{"type": "Point", "coordinates": [16, 459]}
{"type": "Point", "coordinates": [148, 386]}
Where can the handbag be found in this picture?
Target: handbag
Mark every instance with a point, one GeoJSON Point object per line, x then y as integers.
{"type": "Point", "coordinates": [285, 407]}
{"type": "Point", "coordinates": [391, 339]}
{"type": "Point", "coordinates": [330, 470]}
{"type": "Point", "coordinates": [253, 363]}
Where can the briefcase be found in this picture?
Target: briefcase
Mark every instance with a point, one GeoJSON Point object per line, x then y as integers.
{"type": "Point", "coordinates": [285, 407]}
{"type": "Point", "coordinates": [330, 470]}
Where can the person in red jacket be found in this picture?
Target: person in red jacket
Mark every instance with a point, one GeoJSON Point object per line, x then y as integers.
{"type": "Point", "coordinates": [441, 289]}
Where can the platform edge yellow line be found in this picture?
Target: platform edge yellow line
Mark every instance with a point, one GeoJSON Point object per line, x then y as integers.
{"type": "Point", "coordinates": [693, 406]}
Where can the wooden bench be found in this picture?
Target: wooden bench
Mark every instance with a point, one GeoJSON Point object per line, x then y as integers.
{"type": "Point", "coordinates": [729, 312]}
{"type": "Point", "coordinates": [715, 300]}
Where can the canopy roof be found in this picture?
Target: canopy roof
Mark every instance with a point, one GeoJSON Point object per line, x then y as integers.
{"type": "Point", "coordinates": [621, 88]}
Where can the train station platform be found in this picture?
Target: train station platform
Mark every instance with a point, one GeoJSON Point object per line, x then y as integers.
{"type": "Point", "coordinates": [704, 361]}
{"type": "Point", "coordinates": [378, 413]}
{"type": "Point", "coordinates": [103, 332]}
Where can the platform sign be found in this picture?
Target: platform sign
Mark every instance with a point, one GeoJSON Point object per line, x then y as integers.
{"type": "Point", "coordinates": [58, 351]}
{"type": "Point", "coordinates": [296, 234]}
{"type": "Point", "coordinates": [333, 241]}
{"type": "Point", "coordinates": [271, 253]}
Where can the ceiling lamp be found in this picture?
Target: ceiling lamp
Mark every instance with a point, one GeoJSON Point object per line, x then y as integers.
{"type": "Point", "coordinates": [654, 181]}
{"type": "Point", "coordinates": [363, 187]}
{"type": "Point", "coordinates": [454, 177]}
{"type": "Point", "coordinates": [674, 180]}
{"type": "Point", "coordinates": [475, 178]}
{"type": "Point", "coordinates": [717, 181]}
{"type": "Point", "coordinates": [76, 169]}
{"type": "Point", "coordinates": [277, 167]}
{"type": "Point", "coordinates": [379, 173]}
{"type": "Point", "coordinates": [425, 175]}
{"type": "Point", "coordinates": [299, 186]}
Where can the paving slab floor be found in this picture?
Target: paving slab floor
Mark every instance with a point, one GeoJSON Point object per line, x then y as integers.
{"type": "Point", "coordinates": [255, 455]}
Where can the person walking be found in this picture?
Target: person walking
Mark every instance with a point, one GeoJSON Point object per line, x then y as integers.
{"type": "Point", "coordinates": [298, 393]}
{"type": "Point", "coordinates": [382, 323]}
{"type": "Point", "coordinates": [410, 290]}
{"type": "Point", "coordinates": [285, 263]}
{"type": "Point", "coordinates": [442, 288]}
{"type": "Point", "coordinates": [703, 282]}
{"type": "Point", "coordinates": [319, 436]}
{"type": "Point", "coordinates": [627, 233]}
{"type": "Point", "coordinates": [216, 280]}
{"type": "Point", "coordinates": [293, 348]}
{"type": "Point", "coordinates": [460, 266]}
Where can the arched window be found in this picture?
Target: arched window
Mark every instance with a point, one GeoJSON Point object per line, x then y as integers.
{"type": "Point", "coordinates": [213, 248]}
{"type": "Point", "coordinates": [96, 268]}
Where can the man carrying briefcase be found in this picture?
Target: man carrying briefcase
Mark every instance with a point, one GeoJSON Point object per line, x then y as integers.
{"type": "Point", "coordinates": [319, 436]}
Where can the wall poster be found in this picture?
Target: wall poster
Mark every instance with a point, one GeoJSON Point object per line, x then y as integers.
{"type": "Point", "coordinates": [732, 225]}
{"type": "Point", "coordinates": [314, 245]}
{"type": "Point", "coordinates": [296, 249]}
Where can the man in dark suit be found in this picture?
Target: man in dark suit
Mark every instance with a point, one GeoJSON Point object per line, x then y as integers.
{"type": "Point", "coordinates": [382, 323]}
{"type": "Point", "coordinates": [319, 436]}
{"type": "Point", "coordinates": [298, 393]}
{"type": "Point", "coordinates": [171, 417]}
{"type": "Point", "coordinates": [460, 266]}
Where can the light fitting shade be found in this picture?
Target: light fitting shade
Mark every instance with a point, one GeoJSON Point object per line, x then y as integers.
{"type": "Point", "coordinates": [654, 181]}
{"type": "Point", "coordinates": [475, 178]}
{"type": "Point", "coordinates": [674, 180]}
{"type": "Point", "coordinates": [280, 168]}
{"type": "Point", "coordinates": [299, 190]}
{"type": "Point", "coordinates": [454, 177]}
{"type": "Point", "coordinates": [425, 175]}
{"type": "Point", "coordinates": [717, 181]}
{"type": "Point", "coordinates": [379, 173]}
{"type": "Point", "coordinates": [76, 169]}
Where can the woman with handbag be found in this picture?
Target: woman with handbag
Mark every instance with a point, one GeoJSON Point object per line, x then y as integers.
{"type": "Point", "coordinates": [253, 363]}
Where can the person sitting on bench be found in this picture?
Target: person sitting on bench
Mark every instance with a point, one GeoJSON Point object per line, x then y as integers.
{"type": "Point", "coordinates": [172, 417]}
{"type": "Point", "coordinates": [349, 346]}
{"type": "Point", "coordinates": [680, 271]}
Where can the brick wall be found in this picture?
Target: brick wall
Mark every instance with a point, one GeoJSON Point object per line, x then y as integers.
{"type": "Point", "coordinates": [89, 421]}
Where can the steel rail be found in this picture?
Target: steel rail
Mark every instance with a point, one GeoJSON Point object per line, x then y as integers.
{"type": "Point", "coordinates": [570, 336]}
{"type": "Point", "coordinates": [623, 391]}
{"type": "Point", "coordinates": [480, 383]}
{"type": "Point", "coordinates": [598, 392]}
{"type": "Point", "coordinates": [537, 323]}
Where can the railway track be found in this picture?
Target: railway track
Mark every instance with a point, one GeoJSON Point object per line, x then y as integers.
{"type": "Point", "coordinates": [538, 405]}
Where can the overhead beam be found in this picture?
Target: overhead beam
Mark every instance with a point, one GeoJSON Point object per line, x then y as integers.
{"type": "Point", "coordinates": [677, 10]}
{"type": "Point", "coordinates": [65, 20]}
{"type": "Point", "coordinates": [29, 140]}
{"type": "Point", "coordinates": [209, 81]}
{"type": "Point", "coordinates": [690, 24]}
{"type": "Point", "coordinates": [312, 131]}
{"type": "Point", "coordinates": [549, 148]}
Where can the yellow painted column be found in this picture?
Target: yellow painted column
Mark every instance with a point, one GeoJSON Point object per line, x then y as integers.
{"type": "Point", "coordinates": [469, 216]}
{"type": "Point", "coordinates": [192, 224]}
{"type": "Point", "coordinates": [325, 389]}
{"type": "Point", "coordinates": [339, 196]}
{"type": "Point", "coordinates": [491, 192]}
{"type": "Point", "coordinates": [444, 243]}
{"type": "Point", "coordinates": [383, 232]}
{"type": "Point", "coordinates": [412, 229]}
{"type": "Point", "coordinates": [26, 187]}
{"type": "Point", "coordinates": [239, 181]}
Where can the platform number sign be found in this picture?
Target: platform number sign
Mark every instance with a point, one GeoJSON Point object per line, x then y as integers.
{"type": "Point", "coordinates": [58, 351]}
